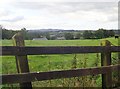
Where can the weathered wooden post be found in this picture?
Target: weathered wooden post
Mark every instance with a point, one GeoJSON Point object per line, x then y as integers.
{"type": "Point", "coordinates": [119, 60]}
{"type": "Point", "coordinates": [119, 42]}
{"type": "Point", "coordinates": [21, 60]}
{"type": "Point", "coordinates": [106, 61]}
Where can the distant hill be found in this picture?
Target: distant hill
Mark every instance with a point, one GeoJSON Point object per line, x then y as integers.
{"type": "Point", "coordinates": [43, 30]}
{"type": "Point", "coordinates": [52, 30]}
{"type": "Point", "coordinates": [62, 30]}
{"type": "Point", "coordinates": [117, 31]}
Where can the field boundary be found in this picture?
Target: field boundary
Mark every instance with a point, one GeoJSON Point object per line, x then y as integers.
{"type": "Point", "coordinates": [20, 51]}
{"type": "Point", "coordinates": [16, 50]}
{"type": "Point", "coordinates": [40, 76]}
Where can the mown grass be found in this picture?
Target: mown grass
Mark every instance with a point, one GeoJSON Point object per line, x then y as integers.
{"type": "Point", "coordinates": [59, 62]}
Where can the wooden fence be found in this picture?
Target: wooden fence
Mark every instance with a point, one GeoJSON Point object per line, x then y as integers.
{"type": "Point", "coordinates": [24, 77]}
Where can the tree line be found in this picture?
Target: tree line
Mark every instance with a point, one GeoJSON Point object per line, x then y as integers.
{"type": "Point", "coordinates": [100, 33]}
{"type": "Point", "coordinates": [87, 34]}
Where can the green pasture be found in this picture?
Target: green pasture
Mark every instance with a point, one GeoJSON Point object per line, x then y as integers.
{"type": "Point", "coordinates": [84, 42]}
{"type": "Point", "coordinates": [59, 62]}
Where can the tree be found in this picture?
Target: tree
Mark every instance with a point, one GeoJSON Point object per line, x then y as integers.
{"type": "Point", "coordinates": [78, 35]}
{"type": "Point", "coordinates": [88, 34]}
{"type": "Point", "coordinates": [47, 36]}
{"type": "Point", "coordinates": [102, 33]}
{"type": "Point", "coordinates": [69, 36]}
{"type": "Point", "coordinates": [5, 33]}
{"type": "Point", "coordinates": [111, 33]}
{"type": "Point", "coordinates": [1, 31]}
{"type": "Point", "coordinates": [53, 38]}
{"type": "Point", "coordinates": [99, 33]}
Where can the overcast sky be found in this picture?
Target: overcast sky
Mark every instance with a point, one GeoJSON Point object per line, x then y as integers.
{"type": "Point", "coordinates": [59, 14]}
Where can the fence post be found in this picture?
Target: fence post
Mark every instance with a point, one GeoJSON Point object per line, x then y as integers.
{"type": "Point", "coordinates": [21, 60]}
{"type": "Point", "coordinates": [119, 58]}
{"type": "Point", "coordinates": [105, 61]}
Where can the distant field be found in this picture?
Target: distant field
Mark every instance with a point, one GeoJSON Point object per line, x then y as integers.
{"type": "Point", "coordinates": [57, 62]}
{"type": "Point", "coordinates": [86, 42]}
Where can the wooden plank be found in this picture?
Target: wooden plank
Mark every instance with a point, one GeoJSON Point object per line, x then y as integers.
{"type": "Point", "coordinates": [21, 61]}
{"type": "Point", "coordinates": [11, 50]}
{"type": "Point", "coordinates": [115, 48]}
{"type": "Point", "coordinates": [40, 76]}
{"type": "Point", "coordinates": [105, 61]}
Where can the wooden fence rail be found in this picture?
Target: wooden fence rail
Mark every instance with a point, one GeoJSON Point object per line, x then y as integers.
{"type": "Point", "coordinates": [25, 78]}
{"type": "Point", "coordinates": [16, 50]}
{"type": "Point", "coordinates": [39, 76]}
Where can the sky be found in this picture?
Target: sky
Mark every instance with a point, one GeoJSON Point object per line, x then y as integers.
{"type": "Point", "coordinates": [59, 14]}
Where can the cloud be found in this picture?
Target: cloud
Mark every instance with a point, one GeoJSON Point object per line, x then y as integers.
{"type": "Point", "coordinates": [4, 12]}
{"type": "Point", "coordinates": [63, 8]}
{"type": "Point", "coordinates": [13, 19]}
{"type": "Point", "coordinates": [113, 18]}
{"type": "Point", "coordinates": [58, 14]}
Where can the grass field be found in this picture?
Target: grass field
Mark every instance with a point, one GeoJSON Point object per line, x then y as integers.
{"type": "Point", "coordinates": [59, 62]}
{"type": "Point", "coordinates": [85, 42]}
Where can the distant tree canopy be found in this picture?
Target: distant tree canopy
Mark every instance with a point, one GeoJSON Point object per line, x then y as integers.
{"type": "Point", "coordinates": [102, 33]}
{"type": "Point", "coordinates": [69, 36]}
{"type": "Point", "coordinates": [98, 34]}
{"type": "Point", "coordinates": [87, 34]}
{"type": "Point", "coordinates": [7, 34]}
{"type": "Point", "coordinates": [0, 31]}
{"type": "Point", "coordinates": [78, 35]}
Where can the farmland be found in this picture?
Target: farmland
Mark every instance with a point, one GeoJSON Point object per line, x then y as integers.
{"type": "Point", "coordinates": [59, 62]}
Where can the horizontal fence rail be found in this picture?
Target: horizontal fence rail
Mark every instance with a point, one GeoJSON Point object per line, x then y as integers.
{"type": "Point", "coordinates": [39, 76]}
{"type": "Point", "coordinates": [24, 77]}
{"type": "Point", "coordinates": [15, 50]}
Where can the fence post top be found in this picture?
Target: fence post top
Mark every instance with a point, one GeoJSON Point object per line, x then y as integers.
{"type": "Point", "coordinates": [19, 34]}
{"type": "Point", "coordinates": [105, 43]}
{"type": "Point", "coordinates": [18, 39]}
